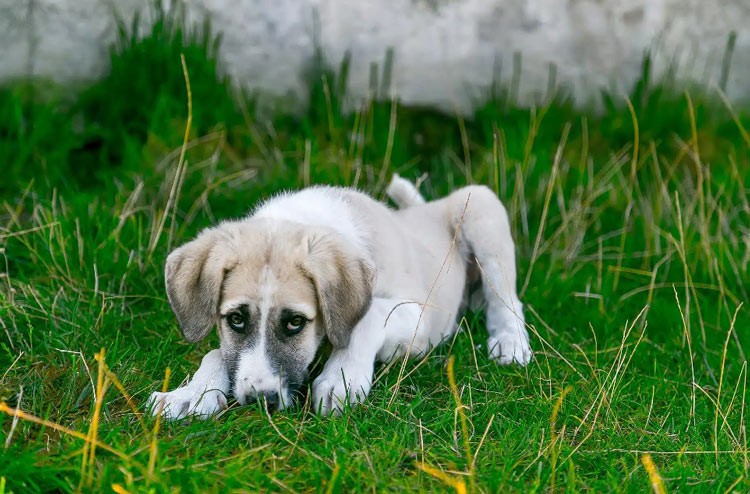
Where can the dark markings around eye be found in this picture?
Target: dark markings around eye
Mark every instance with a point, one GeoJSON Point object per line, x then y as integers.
{"type": "Point", "coordinates": [292, 322]}
{"type": "Point", "coordinates": [241, 320]}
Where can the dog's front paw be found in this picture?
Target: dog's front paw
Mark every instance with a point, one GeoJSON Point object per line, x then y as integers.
{"type": "Point", "coordinates": [510, 347]}
{"type": "Point", "coordinates": [335, 387]}
{"type": "Point", "coordinates": [187, 401]}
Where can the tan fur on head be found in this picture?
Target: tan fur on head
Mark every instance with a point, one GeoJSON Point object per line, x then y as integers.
{"type": "Point", "coordinates": [343, 281]}
{"type": "Point", "coordinates": [193, 275]}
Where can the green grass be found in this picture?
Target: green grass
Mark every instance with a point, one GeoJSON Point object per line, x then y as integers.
{"type": "Point", "coordinates": [633, 251]}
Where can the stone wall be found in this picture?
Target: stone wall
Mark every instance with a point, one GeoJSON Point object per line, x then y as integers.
{"type": "Point", "coordinates": [446, 53]}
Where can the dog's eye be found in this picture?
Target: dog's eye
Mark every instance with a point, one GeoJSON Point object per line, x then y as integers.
{"type": "Point", "coordinates": [236, 321]}
{"type": "Point", "coordinates": [295, 324]}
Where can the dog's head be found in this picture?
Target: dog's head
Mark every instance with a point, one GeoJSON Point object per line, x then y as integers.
{"type": "Point", "coordinates": [276, 290]}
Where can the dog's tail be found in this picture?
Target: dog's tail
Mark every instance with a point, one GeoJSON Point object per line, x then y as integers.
{"type": "Point", "coordinates": [403, 192]}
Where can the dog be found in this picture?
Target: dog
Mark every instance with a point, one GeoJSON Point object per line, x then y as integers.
{"type": "Point", "coordinates": [332, 264]}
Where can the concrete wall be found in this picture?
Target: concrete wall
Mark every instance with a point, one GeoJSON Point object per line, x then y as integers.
{"type": "Point", "coordinates": [447, 52]}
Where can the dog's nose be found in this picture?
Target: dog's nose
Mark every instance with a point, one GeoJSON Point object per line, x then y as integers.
{"type": "Point", "coordinates": [269, 398]}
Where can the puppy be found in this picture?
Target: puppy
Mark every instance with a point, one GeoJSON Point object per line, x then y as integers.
{"type": "Point", "coordinates": [333, 264]}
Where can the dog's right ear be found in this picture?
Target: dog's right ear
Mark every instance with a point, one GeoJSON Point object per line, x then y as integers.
{"type": "Point", "coordinates": [194, 274]}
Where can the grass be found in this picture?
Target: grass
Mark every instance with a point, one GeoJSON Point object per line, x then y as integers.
{"type": "Point", "coordinates": [633, 241]}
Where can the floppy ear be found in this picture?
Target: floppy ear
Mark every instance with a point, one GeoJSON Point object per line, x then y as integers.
{"type": "Point", "coordinates": [194, 274]}
{"type": "Point", "coordinates": [343, 280]}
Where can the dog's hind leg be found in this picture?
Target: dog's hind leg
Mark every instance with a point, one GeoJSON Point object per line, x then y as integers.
{"type": "Point", "coordinates": [403, 192]}
{"type": "Point", "coordinates": [484, 233]}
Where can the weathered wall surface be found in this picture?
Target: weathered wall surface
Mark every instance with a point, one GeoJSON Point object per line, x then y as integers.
{"type": "Point", "coordinates": [446, 52]}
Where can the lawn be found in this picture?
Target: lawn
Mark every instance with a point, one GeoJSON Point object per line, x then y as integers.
{"type": "Point", "coordinates": [632, 226]}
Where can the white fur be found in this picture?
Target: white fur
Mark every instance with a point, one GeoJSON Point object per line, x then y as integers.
{"type": "Point", "coordinates": [257, 375]}
{"type": "Point", "coordinates": [316, 206]}
{"type": "Point", "coordinates": [203, 396]}
{"type": "Point", "coordinates": [347, 375]}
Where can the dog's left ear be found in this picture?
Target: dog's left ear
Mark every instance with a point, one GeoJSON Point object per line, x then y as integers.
{"type": "Point", "coordinates": [343, 280]}
{"type": "Point", "coordinates": [193, 275]}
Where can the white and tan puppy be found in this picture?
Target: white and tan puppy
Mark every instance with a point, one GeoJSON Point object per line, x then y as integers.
{"type": "Point", "coordinates": [332, 263]}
